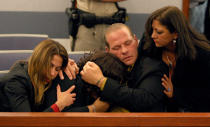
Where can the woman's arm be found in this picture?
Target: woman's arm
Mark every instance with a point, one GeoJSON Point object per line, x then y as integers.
{"type": "Point", "coordinates": [21, 97]}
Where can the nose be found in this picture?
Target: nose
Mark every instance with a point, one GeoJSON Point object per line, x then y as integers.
{"type": "Point", "coordinates": [124, 49]}
{"type": "Point", "coordinates": [53, 72]}
{"type": "Point", "coordinates": [153, 35]}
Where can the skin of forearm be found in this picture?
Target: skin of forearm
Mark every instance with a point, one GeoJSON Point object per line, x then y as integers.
{"type": "Point", "coordinates": [60, 106]}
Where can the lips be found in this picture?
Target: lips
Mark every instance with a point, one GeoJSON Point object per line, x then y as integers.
{"type": "Point", "coordinates": [155, 41]}
{"type": "Point", "coordinates": [127, 58]}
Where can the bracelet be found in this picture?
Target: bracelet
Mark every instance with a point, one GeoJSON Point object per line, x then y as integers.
{"type": "Point", "coordinates": [94, 108]}
{"type": "Point", "coordinates": [97, 83]}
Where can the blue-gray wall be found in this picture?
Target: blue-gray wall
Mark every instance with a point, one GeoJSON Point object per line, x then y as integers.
{"type": "Point", "coordinates": [48, 16]}
{"type": "Point", "coordinates": [53, 24]}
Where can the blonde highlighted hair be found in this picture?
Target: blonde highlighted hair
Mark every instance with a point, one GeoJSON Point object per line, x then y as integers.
{"type": "Point", "coordinates": [39, 66]}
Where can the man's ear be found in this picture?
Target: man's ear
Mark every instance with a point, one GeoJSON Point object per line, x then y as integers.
{"type": "Point", "coordinates": [106, 49]}
{"type": "Point", "coordinates": [135, 38]}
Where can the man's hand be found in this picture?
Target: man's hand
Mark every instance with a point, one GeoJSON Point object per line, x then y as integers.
{"type": "Point", "coordinates": [71, 70]}
{"type": "Point", "coordinates": [92, 74]}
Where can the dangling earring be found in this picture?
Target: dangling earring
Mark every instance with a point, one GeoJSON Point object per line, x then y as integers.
{"type": "Point", "coordinates": [174, 42]}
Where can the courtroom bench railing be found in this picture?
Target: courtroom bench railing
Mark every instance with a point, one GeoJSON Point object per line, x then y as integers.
{"type": "Point", "coordinates": [104, 119]}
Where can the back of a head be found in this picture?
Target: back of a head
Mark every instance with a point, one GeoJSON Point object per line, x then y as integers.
{"type": "Point", "coordinates": [110, 65]}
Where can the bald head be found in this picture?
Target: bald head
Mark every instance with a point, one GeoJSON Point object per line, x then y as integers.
{"type": "Point", "coordinates": [115, 27]}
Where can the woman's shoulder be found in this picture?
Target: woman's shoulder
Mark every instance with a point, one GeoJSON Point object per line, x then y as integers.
{"type": "Point", "coordinates": [17, 74]}
{"type": "Point", "coordinates": [18, 66]}
{"type": "Point", "coordinates": [153, 64]}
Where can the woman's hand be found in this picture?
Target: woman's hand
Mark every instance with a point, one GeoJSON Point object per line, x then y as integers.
{"type": "Point", "coordinates": [65, 98]}
{"type": "Point", "coordinates": [71, 70]}
{"type": "Point", "coordinates": [166, 82]}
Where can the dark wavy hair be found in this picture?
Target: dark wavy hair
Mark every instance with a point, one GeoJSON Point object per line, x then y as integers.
{"type": "Point", "coordinates": [174, 20]}
{"type": "Point", "coordinates": [110, 65]}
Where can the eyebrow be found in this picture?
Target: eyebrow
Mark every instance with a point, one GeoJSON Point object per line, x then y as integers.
{"type": "Point", "coordinates": [54, 65]}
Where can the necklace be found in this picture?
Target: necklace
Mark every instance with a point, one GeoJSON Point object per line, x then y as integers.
{"type": "Point", "coordinates": [169, 58]}
{"type": "Point", "coordinates": [170, 63]}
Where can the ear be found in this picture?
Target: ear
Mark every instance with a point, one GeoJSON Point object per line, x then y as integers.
{"type": "Point", "coordinates": [136, 39]}
{"type": "Point", "coordinates": [106, 49]}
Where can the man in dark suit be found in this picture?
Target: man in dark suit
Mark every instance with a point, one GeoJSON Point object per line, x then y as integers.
{"type": "Point", "coordinates": [143, 91]}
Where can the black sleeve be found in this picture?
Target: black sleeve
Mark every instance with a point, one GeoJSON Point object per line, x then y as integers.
{"type": "Point", "coordinates": [147, 96]}
{"type": "Point", "coordinates": [19, 97]}
{"type": "Point", "coordinates": [77, 109]}
{"type": "Point", "coordinates": [133, 99]}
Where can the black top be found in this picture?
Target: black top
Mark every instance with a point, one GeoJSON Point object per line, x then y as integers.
{"type": "Point", "coordinates": [19, 92]}
{"type": "Point", "coordinates": [191, 80]}
{"type": "Point", "coordinates": [143, 92]}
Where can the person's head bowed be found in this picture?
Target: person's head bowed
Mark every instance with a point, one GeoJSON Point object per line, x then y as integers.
{"type": "Point", "coordinates": [121, 42]}
{"type": "Point", "coordinates": [167, 27]}
{"type": "Point", "coordinates": [47, 59]}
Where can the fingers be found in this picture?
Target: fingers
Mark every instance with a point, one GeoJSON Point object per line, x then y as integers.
{"type": "Point", "coordinates": [166, 92]}
{"type": "Point", "coordinates": [82, 72]}
{"type": "Point", "coordinates": [73, 95]}
{"type": "Point", "coordinates": [61, 75]}
{"type": "Point", "coordinates": [72, 69]}
{"type": "Point", "coordinates": [73, 63]}
{"type": "Point", "coordinates": [68, 73]}
{"type": "Point", "coordinates": [165, 85]}
{"type": "Point", "coordinates": [85, 67]}
{"type": "Point", "coordinates": [164, 82]}
{"type": "Point", "coordinates": [89, 63]}
{"type": "Point", "coordinates": [58, 89]}
{"type": "Point", "coordinates": [166, 77]}
{"type": "Point", "coordinates": [70, 89]}
{"type": "Point", "coordinates": [73, 99]}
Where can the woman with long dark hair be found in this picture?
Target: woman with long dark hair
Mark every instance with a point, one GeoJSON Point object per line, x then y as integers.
{"type": "Point", "coordinates": [170, 38]}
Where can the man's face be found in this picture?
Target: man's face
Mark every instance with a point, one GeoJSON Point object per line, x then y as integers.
{"type": "Point", "coordinates": [123, 45]}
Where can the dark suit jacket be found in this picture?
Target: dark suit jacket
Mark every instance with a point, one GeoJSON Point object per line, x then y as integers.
{"type": "Point", "coordinates": [143, 92]}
